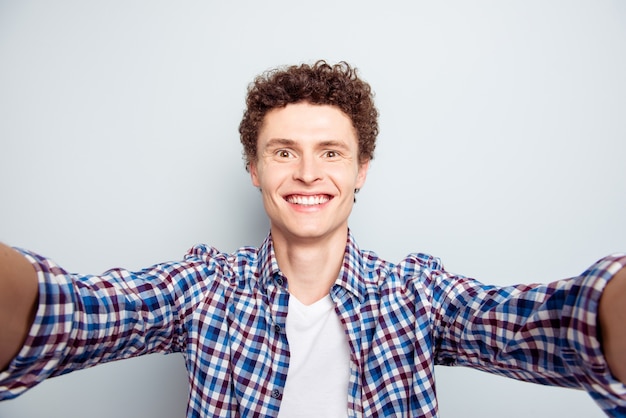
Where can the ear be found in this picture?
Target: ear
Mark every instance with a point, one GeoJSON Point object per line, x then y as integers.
{"type": "Point", "coordinates": [254, 174]}
{"type": "Point", "coordinates": [362, 174]}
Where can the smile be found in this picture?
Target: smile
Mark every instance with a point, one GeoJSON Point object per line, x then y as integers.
{"type": "Point", "coordinates": [308, 200]}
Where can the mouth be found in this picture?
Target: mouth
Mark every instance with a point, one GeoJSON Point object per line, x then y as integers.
{"type": "Point", "coordinates": [308, 200]}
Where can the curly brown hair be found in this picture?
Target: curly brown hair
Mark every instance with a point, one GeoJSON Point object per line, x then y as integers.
{"type": "Point", "coordinates": [320, 83]}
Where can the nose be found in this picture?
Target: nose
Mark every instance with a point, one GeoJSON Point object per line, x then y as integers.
{"type": "Point", "coordinates": [308, 169]}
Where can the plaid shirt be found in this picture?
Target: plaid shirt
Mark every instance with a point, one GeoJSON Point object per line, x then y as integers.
{"type": "Point", "coordinates": [226, 313]}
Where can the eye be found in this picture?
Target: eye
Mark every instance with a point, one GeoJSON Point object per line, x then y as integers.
{"type": "Point", "coordinates": [283, 153]}
{"type": "Point", "coordinates": [331, 154]}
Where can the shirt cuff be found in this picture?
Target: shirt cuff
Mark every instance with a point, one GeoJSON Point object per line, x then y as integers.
{"type": "Point", "coordinates": [583, 333]}
{"type": "Point", "coordinates": [49, 333]}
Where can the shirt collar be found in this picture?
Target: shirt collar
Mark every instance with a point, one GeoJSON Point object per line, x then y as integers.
{"type": "Point", "coordinates": [350, 278]}
{"type": "Point", "coordinates": [268, 266]}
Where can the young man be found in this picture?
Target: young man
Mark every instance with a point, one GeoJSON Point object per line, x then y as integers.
{"type": "Point", "coordinates": [308, 322]}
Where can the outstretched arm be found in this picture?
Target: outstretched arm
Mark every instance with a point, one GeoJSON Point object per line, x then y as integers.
{"type": "Point", "coordinates": [18, 302]}
{"type": "Point", "coordinates": [612, 317]}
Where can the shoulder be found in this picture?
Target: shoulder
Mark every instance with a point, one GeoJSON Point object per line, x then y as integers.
{"type": "Point", "coordinates": [414, 265]}
{"type": "Point", "coordinates": [237, 268]}
{"type": "Point", "coordinates": [415, 273]}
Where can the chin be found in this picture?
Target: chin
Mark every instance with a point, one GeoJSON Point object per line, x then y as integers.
{"type": "Point", "coordinates": [311, 232]}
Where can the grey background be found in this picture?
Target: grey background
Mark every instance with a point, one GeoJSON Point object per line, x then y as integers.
{"type": "Point", "coordinates": [501, 151]}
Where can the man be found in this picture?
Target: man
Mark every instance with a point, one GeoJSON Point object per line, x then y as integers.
{"type": "Point", "coordinates": [308, 323]}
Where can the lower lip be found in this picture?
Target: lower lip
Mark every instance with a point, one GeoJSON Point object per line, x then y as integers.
{"type": "Point", "coordinates": [308, 208]}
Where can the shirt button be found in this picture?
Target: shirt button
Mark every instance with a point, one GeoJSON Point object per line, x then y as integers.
{"type": "Point", "coordinates": [277, 328]}
{"type": "Point", "coordinates": [279, 281]}
{"type": "Point", "coordinates": [275, 394]}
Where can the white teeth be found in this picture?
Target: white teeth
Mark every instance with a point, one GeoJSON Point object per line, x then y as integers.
{"type": "Point", "coordinates": [308, 200]}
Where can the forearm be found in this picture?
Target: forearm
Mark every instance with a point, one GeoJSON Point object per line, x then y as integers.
{"type": "Point", "coordinates": [18, 302]}
{"type": "Point", "coordinates": [612, 318]}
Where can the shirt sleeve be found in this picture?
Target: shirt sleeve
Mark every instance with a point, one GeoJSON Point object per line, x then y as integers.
{"type": "Point", "coordinates": [546, 333]}
{"type": "Point", "coordinates": [86, 320]}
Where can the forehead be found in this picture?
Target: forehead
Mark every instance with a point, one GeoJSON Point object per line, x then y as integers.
{"type": "Point", "coordinates": [307, 122]}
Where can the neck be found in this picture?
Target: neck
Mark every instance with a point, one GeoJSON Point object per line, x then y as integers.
{"type": "Point", "coordinates": [311, 266]}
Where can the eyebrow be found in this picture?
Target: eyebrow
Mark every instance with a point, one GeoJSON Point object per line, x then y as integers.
{"type": "Point", "coordinates": [334, 144]}
{"type": "Point", "coordinates": [274, 142]}
{"type": "Point", "coordinates": [284, 142]}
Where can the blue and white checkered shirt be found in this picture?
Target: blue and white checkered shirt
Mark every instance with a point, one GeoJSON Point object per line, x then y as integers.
{"type": "Point", "coordinates": [226, 314]}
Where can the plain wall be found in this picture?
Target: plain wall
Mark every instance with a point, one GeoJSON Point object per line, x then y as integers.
{"type": "Point", "coordinates": [501, 151]}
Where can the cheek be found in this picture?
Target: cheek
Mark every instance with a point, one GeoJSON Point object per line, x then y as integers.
{"type": "Point", "coordinates": [352, 175]}
{"type": "Point", "coordinates": [268, 178]}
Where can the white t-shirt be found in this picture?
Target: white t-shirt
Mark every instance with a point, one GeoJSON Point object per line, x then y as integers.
{"type": "Point", "coordinates": [319, 367]}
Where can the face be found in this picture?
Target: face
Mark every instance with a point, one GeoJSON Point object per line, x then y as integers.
{"type": "Point", "coordinates": [307, 168]}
